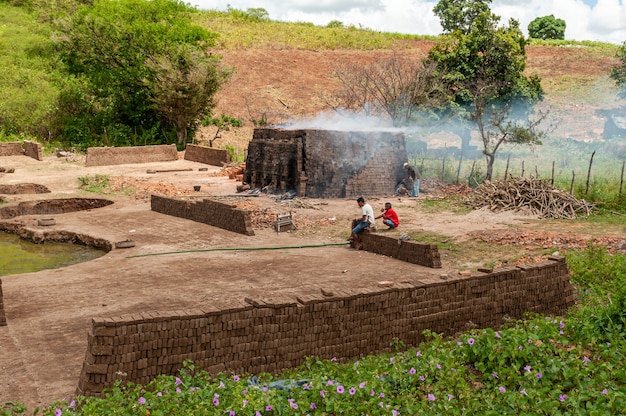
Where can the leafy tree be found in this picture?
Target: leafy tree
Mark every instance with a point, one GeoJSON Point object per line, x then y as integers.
{"type": "Point", "coordinates": [335, 23]}
{"type": "Point", "coordinates": [547, 27]}
{"type": "Point", "coordinates": [618, 72]}
{"type": "Point", "coordinates": [134, 56]}
{"type": "Point", "coordinates": [462, 15]}
{"type": "Point", "coordinates": [223, 123]}
{"type": "Point", "coordinates": [258, 13]}
{"type": "Point", "coordinates": [482, 65]}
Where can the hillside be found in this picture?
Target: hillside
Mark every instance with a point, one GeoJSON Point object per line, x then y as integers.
{"type": "Point", "coordinates": [280, 84]}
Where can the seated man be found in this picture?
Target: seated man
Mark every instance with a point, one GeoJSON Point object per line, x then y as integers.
{"type": "Point", "coordinates": [360, 224]}
{"type": "Point", "coordinates": [389, 216]}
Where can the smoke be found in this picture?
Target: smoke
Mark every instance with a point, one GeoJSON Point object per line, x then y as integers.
{"type": "Point", "coordinates": [341, 121]}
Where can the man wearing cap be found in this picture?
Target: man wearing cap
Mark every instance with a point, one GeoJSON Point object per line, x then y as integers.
{"type": "Point", "coordinates": [411, 180]}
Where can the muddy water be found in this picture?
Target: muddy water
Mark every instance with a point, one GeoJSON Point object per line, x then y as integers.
{"type": "Point", "coordinates": [22, 256]}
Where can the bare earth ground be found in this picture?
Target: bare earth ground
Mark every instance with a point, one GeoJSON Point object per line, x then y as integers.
{"type": "Point", "coordinates": [49, 312]}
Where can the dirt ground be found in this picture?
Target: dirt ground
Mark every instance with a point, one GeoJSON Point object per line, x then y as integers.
{"type": "Point", "coordinates": [176, 264]}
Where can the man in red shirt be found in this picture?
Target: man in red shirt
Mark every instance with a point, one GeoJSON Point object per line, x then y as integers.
{"type": "Point", "coordinates": [390, 218]}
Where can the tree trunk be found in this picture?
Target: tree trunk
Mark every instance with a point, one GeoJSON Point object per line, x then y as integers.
{"type": "Point", "coordinates": [490, 160]}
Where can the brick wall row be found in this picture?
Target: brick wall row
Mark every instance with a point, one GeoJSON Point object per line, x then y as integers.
{"type": "Point", "coordinates": [207, 155]}
{"type": "Point", "coordinates": [269, 335]}
{"type": "Point", "coordinates": [210, 212]}
{"type": "Point", "coordinates": [410, 251]}
{"type": "Point", "coordinates": [3, 318]}
{"type": "Point", "coordinates": [29, 148]}
{"type": "Point", "coordinates": [103, 156]}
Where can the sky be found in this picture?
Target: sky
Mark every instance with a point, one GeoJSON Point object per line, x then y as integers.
{"type": "Point", "coordinates": [595, 20]}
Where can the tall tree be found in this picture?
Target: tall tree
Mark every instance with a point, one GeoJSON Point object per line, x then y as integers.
{"type": "Point", "coordinates": [482, 64]}
{"type": "Point", "coordinates": [120, 48]}
{"type": "Point", "coordinates": [547, 27]}
{"type": "Point", "coordinates": [618, 72]}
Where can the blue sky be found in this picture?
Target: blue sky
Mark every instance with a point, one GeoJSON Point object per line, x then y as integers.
{"type": "Point", "coordinates": [597, 20]}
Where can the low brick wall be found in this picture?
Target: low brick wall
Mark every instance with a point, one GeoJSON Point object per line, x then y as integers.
{"type": "Point", "coordinates": [410, 251]}
{"type": "Point", "coordinates": [102, 156]}
{"type": "Point", "coordinates": [3, 318]}
{"type": "Point", "coordinates": [32, 149]}
{"type": "Point", "coordinates": [208, 155]}
{"type": "Point", "coordinates": [205, 211]}
{"type": "Point", "coordinates": [11, 149]}
{"type": "Point", "coordinates": [269, 335]}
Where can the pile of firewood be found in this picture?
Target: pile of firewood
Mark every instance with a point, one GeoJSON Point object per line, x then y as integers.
{"type": "Point", "coordinates": [531, 195]}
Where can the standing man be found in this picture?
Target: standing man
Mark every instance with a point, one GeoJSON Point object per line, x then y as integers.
{"type": "Point", "coordinates": [360, 224]}
{"type": "Point", "coordinates": [389, 216]}
{"type": "Point", "coordinates": [412, 179]}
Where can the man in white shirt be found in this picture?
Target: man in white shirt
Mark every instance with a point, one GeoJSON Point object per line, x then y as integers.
{"type": "Point", "coordinates": [360, 224]}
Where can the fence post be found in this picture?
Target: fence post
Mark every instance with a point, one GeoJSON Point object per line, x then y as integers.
{"type": "Point", "coordinates": [506, 170]}
{"type": "Point", "coordinates": [552, 180]}
{"type": "Point", "coordinates": [458, 171]}
{"type": "Point", "coordinates": [522, 168]}
{"type": "Point", "coordinates": [589, 172]}
{"type": "Point", "coordinates": [571, 187]}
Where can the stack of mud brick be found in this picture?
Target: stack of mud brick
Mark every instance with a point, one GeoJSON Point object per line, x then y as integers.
{"type": "Point", "coordinates": [100, 156]}
{"type": "Point", "coordinates": [207, 155]}
{"type": "Point", "coordinates": [11, 149]}
{"type": "Point", "coordinates": [272, 334]}
{"type": "Point", "coordinates": [3, 318]}
{"type": "Point", "coordinates": [410, 251]}
{"type": "Point", "coordinates": [33, 149]}
{"type": "Point", "coordinates": [205, 211]}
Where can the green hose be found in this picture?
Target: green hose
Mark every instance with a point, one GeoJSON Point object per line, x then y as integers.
{"type": "Point", "coordinates": [199, 250]}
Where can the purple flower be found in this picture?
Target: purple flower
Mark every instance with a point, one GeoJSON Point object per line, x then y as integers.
{"type": "Point", "coordinates": [178, 390]}
{"type": "Point", "coordinates": [562, 397]}
{"type": "Point", "coordinates": [312, 406]}
{"type": "Point", "coordinates": [520, 348]}
{"type": "Point", "coordinates": [356, 363]}
{"type": "Point", "coordinates": [293, 405]}
{"type": "Point", "coordinates": [586, 360]}
{"type": "Point", "coordinates": [245, 402]}
{"type": "Point", "coordinates": [362, 385]}
{"type": "Point", "coordinates": [159, 394]}
{"type": "Point", "coordinates": [412, 371]}
{"type": "Point", "coordinates": [329, 383]}
{"type": "Point", "coordinates": [235, 378]}
{"type": "Point", "coordinates": [142, 400]}
{"type": "Point", "coordinates": [221, 386]}
{"type": "Point", "coordinates": [380, 404]}
{"type": "Point", "coordinates": [431, 397]}
{"type": "Point", "coordinates": [216, 402]}
{"type": "Point", "coordinates": [438, 367]}
{"type": "Point", "coordinates": [58, 412]}
{"type": "Point", "coordinates": [394, 412]}
{"type": "Point", "coordinates": [450, 397]}
{"type": "Point", "coordinates": [340, 389]}
{"type": "Point", "coordinates": [322, 393]}
{"type": "Point", "coordinates": [268, 408]}
{"type": "Point", "coordinates": [381, 395]}
{"type": "Point", "coordinates": [470, 341]}
{"type": "Point", "coordinates": [333, 359]}
{"type": "Point", "coordinates": [352, 391]}
{"type": "Point", "coordinates": [178, 381]}
{"type": "Point", "coordinates": [523, 391]}
{"type": "Point", "coordinates": [530, 341]}
{"type": "Point", "coordinates": [372, 392]}
{"type": "Point", "coordinates": [231, 413]}
{"type": "Point", "coordinates": [418, 354]}
{"type": "Point", "coordinates": [72, 404]}
{"type": "Point", "coordinates": [561, 332]}
{"type": "Point", "coordinates": [391, 360]}
{"type": "Point", "coordinates": [497, 335]}
{"type": "Point", "coordinates": [502, 389]}
{"type": "Point", "coordinates": [605, 391]}
{"type": "Point", "coordinates": [527, 368]}
{"type": "Point", "coordinates": [561, 325]}
{"type": "Point", "coordinates": [494, 375]}
{"type": "Point", "coordinates": [539, 375]}
{"type": "Point", "coordinates": [257, 413]}
{"type": "Point", "coordinates": [422, 378]}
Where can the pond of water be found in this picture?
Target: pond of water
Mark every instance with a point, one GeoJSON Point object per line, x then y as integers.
{"type": "Point", "coordinates": [22, 256]}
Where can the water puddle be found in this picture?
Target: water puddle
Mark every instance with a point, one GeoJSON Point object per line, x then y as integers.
{"type": "Point", "coordinates": [18, 255]}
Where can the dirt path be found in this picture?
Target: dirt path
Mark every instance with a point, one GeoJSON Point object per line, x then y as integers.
{"type": "Point", "coordinates": [49, 312]}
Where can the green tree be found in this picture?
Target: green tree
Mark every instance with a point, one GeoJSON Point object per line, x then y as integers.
{"type": "Point", "coordinates": [618, 72]}
{"type": "Point", "coordinates": [482, 65]}
{"type": "Point", "coordinates": [121, 49]}
{"type": "Point", "coordinates": [547, 27]}
{"type": "Point", "coordinates": [462, 15]}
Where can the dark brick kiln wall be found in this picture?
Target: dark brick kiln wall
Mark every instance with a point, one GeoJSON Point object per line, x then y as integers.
{"type": "Point", "coordinates": [29, 148]}
{"type": "Point", "coordinates": [103, 156]}
{"type": "Point", "coordinates": [3, 318]}
{"type": "Point", "coordinates": [269, 335]}
{"type": "Point", "coordinates": [207, 155]}
{"type": "Point", "coordinates": [326, 163]}
{"type": "Point", "coordinates": [206, 211]}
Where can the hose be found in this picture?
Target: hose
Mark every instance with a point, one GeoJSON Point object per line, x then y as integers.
{"type": "Point", "coordinates": [199, 250]}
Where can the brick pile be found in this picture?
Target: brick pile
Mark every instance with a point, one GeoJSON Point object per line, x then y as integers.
{"type": "Point", "coordinates": [217, 214]}
{"type": "Point", "coordinates": [410, 251]}
{"type": "Point", "coordinates": [33, 149]}
{"type": "Point", "coordinates": [101, 156]}
{"type": "Point", "coordinates": [11, 149]}
{"type": "Point", "coordinates": [207, 155]}
{"type": "Point", "coordinates": [272, 334]}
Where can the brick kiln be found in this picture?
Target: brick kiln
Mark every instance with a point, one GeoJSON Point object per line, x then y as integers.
{"type": "Point", "coordinates": [325, 163]}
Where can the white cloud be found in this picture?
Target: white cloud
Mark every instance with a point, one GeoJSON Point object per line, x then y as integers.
{"type": "Point", "coordinates": [603, 21]}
